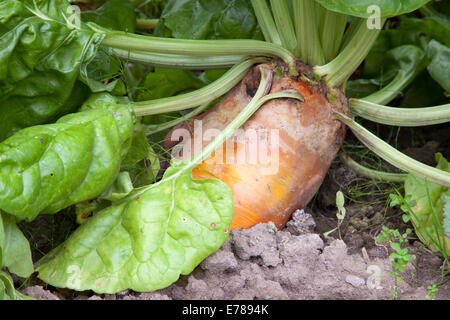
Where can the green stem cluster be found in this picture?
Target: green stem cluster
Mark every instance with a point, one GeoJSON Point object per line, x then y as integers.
{"type": "Point", "coordinates": [307, 29]}
{"type": "Point", "coordinates": [332, 33]}
{"type": "Point", "coordinates": [342, 67]}
{"type": "Point", "coordinates": [284, 24]}
{"type": "Point", "coordinates": [266, 22]}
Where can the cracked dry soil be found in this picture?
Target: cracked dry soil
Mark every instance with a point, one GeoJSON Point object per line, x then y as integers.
{"type": "Point", "coordinates": [295, 263]}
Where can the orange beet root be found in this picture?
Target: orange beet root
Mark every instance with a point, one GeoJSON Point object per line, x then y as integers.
{"type": "Point", "coordinates": [277, 160]}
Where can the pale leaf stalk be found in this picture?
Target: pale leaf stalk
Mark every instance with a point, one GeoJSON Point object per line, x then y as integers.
{"type": "Point", "coordinates": [393, 156]}
{"type": "Point", "coordinates": [320, 16]}
{"type": "Point", "coordinates": [266, 22]}
{"type": "Point", "coordinates": [174, 61]}
{"type": "Point", "coordinates": [370, 173]}
{"type": "Point", "coordinates": [351, 31]}
{"type": "Point", "coordinates": [332, 34]}
{"type": "Point", "coordinates": [135, 42]}
{"type": "Point", "coordinates": [401, 117]}
{"type": "Point", "coordinates": [154, 128]}
{"type": "Point", "coordinates": [339, 70]}
{"type": "Point", "coordinates": [284, 24]}
{"type": "Point", "coordinates": [307, 31]}
{"type": "Point", "coordinates": [394, 88]}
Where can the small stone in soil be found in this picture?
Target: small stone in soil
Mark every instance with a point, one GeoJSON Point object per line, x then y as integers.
{"type": "Point", "coordinates": [355, 281]}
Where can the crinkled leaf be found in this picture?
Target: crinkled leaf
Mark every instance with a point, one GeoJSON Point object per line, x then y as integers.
{"type": "Point", "coordinates": [139, 149]}
{"type": "Point", "coordinates": [424, 91]}
{"type": "Point", "coordinates": [379, 68]}
{"type": "Point", "coordinates": [427, 214]}
{"type": "Point", "coordinates": [428, 26]}
{"type": "Point", "coordinates": [146, 171]}
{"type": "Point", "coordinates": [362, 88]}
{"type": "Point", "coordinates": [360, 8]}
{"type": "Point", "coordinates": [163, 83]}
{"type": "Point", "coordinates": [435, 24]}
{"type": "Point", "coordinates": [7, 290]}
{"type": "Point", "coordinates": [102, 73]}
{"type": "Point", "coordinates": [377, 61]}
{"type": "Point", "coordinates": [435, 29]}
{"type": "Point", "coordinates": [16, 249]}
{"type": "Point", "coordinates": [399, 62]}
{"type": "Point", "coordinates": [114, 14]}
{"type": "Point", "coordinates": [120, 188]}
{"type": "Point", "coordinates": [439, 68]}
{"type": "Point", "coordinates": [140, 160]}
{"type": "Point", "coordinates": [147, 242]}
{"type": "Point", "coordinates": [40, 58]}
{"type": "Point", "coordinates": [44, 169]}
{"type": "Point", "coordinates": [208, 19]}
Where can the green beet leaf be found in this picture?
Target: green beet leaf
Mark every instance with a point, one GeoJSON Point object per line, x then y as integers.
{"type": "Point", "coordinates": [429, 34]}
{"type": "Point", "coordinates": [427, 214]}
{"type": "Point", "coordinates": [439, 68]}
{"type": "Point", "coordinates": [423, 91]}
{"type": "Point", "coordinates": [163, 83]}
{"type": "Point", "coordinates": [360, 8]}
{"type": "Point", "coordinates": [46, 168]}
{"type": "Point", "coordinates": [121, 188]}
{"type": "Point", "coordinates": [146, 242]}
{"type": "Point", "coordinates": [7, 290]}
{"type": "Point", "coordinates": [114, 15]}
{"type": "Point", "coordinates": [434, 28]}
{"type": "Point", "coordinates": [435, 24]}
{"type": "Point", "coordinates": [16, 250]}
{"type": "Point", "coordinates": [399, 62]}
{"type": "Point", "coordinates": [208, 19]}
{"type": "Point", "coordinates": [42, 49]}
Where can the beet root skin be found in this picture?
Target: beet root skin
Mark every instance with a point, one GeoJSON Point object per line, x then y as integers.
{"type": "Point", "coordinates": [275, 163]}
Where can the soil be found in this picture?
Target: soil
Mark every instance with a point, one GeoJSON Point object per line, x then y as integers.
{"type": "Point", "coordinates": [298, 262]}
{"type": "Point", "coordinates": [295, 263]}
